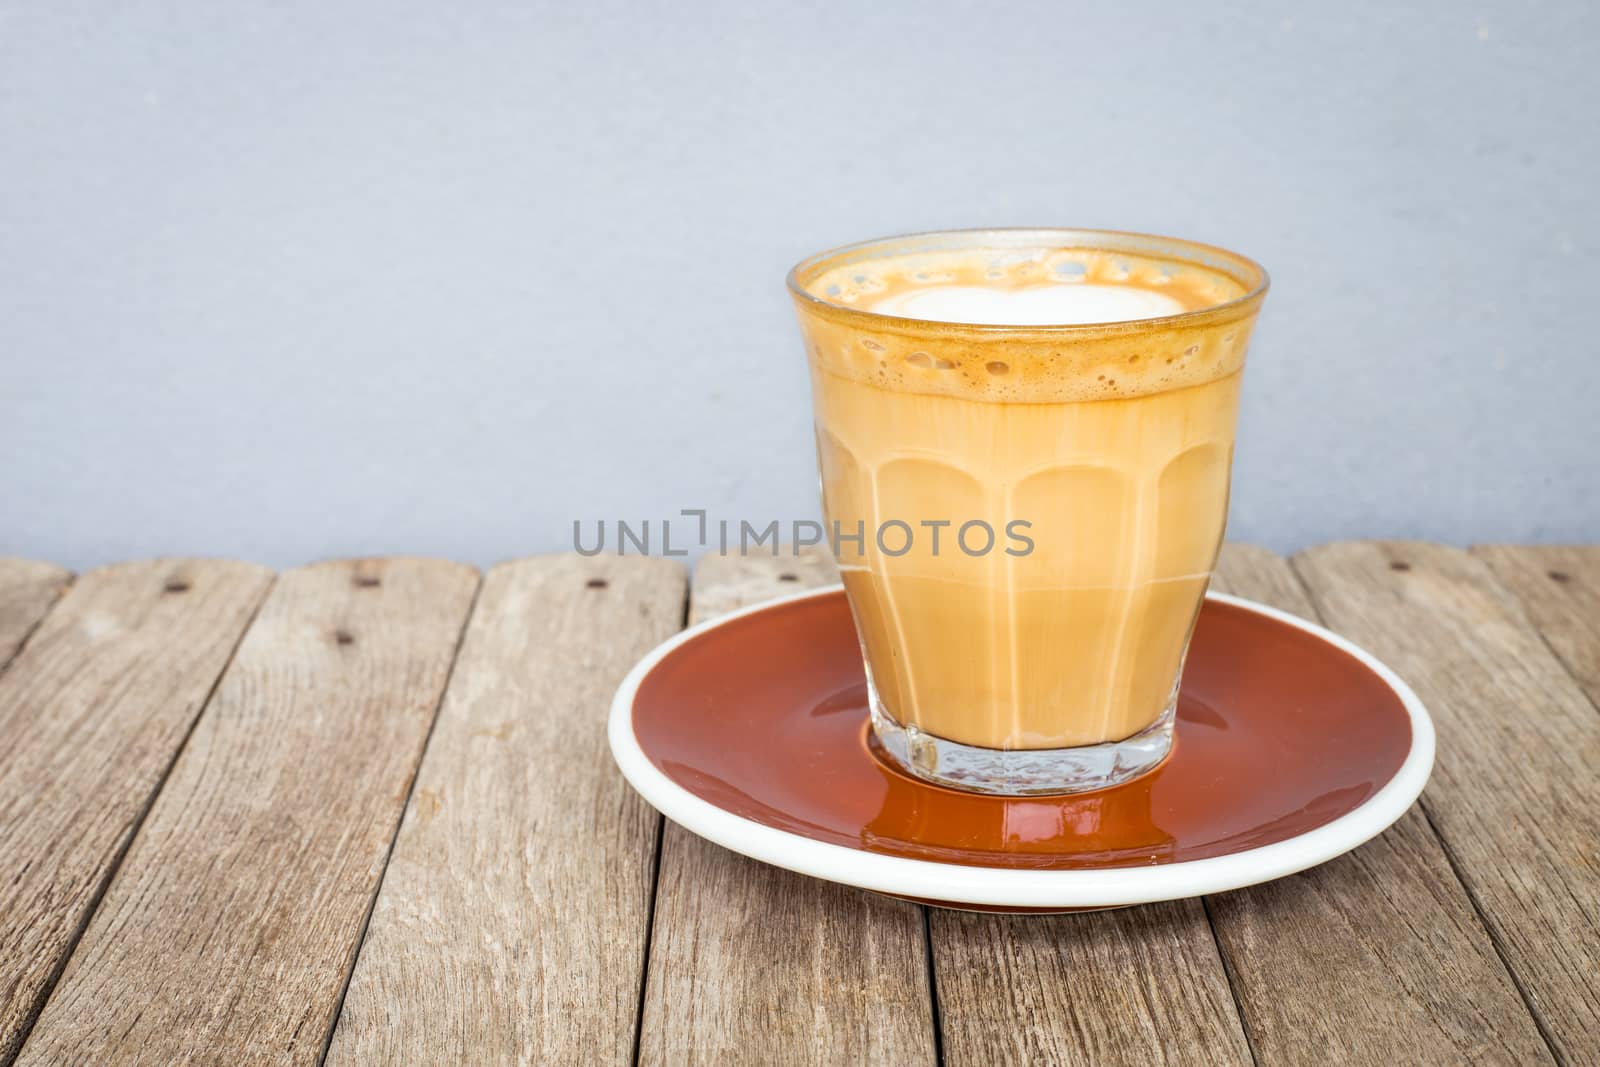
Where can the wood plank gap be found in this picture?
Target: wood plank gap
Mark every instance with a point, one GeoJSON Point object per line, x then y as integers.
{"type": "Point", "coordinates": [133, 832]}
{"type": "Point", "coordinates": [655, 885]}
{"type": "Point", "coordinates": [649, 934]}
{"type": "Point", "coordinates": [933, 988]}
{"type": "Point", "coordinates": [1558, 587]}
{"type": "Point", "coordinates": [738, 944]}
{"type": "Point", "coordinates": [97, 708]}
{"type": "Point", "coordinates": [1494, 939]}
{"type": "Point", "coordinates": [121, 853]}
{"type": "Point", "coordinates": [1544, 638]}
{"type": "Point", "coordinates": [1594, 701]}
{"type": "Point", "coordinates": [1511, 790]}
{"type": "Point", "coordinates": [411, 788]}
{"type": "Point", "coordinates": [1147, 984]}
{"type": "Point", "coordinates": [23, 605]}
{"type": "Point", "coordinates": [1450, 857]}
{"type": "Point", "coordinates": [510, 924]}
{"type": "Point", "coordinates": [1138, 985]}
{"type": "Point", "coordinates": [22, 641]}
{"type": "Point", "coordinates": [1234, 985]}
{"type": "Point", "coordinates": [233, 913]}
{"type": "Point", "coordinates": [1393, 916]}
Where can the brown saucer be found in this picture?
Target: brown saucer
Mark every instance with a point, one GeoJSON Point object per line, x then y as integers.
{"type": "Point", "coordinates": [1283, 732]}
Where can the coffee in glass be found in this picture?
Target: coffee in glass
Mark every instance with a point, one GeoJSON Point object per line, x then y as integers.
{"type": "Point", "coordinates": [1025, 439]}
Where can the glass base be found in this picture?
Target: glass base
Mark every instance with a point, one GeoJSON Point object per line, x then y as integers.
{"type": "Point", "coordinates": [1023, 772]}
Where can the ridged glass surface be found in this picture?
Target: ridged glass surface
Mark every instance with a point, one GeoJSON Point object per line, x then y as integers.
{"type": "Point", "coordinates": [1080, 640]}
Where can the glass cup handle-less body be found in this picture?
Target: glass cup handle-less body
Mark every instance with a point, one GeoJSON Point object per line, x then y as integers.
{"type": "Point", "coordinates": [1029, 515]}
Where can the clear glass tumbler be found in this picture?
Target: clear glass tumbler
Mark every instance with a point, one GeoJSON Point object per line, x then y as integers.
{"type": "Point", "coordinates": [1025, 517]}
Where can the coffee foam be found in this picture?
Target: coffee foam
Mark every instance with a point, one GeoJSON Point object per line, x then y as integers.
{"type": "Point", "coordinates": [933, 314]}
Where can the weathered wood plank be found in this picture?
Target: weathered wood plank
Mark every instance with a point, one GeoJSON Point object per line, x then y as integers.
{"type": "Point", "coordinates": [27, 590]}
{"type": "Point", "coordinates": [233, 921]}
{"type": "Point", "coordinates": [1376, 957]}
{"type": "Point", "coordinates": [752, 964]}
{"type": "Point", "coordinates": [1131, 986]}
{"type": "Point", "coordinates": [728, 583]}
{"type": "Point", "coordinates": [1514, 797]}
{"type": "Point", "coordinates": [1559, 586]}
{"type": "Point", "coordinates": [92, 712]}
{"type": "Point", "coordinates": [512, 921]}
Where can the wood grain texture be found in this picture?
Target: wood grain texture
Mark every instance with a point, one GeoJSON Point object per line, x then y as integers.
{"type": "Point", "coordinates": [1514, 795]}
{"type": "Point", "coordinates": [1376, 957]}
{"type": "Point", "coordinates": [511, 925]}
{"type": "Point", "coordinates": [1559, 587]}
{"type": "Point", "coordinates": [753, 964]}
{"type": "Point", "coordinates": [1132, 986]}
{"type": "Point", "coordinates": [92, 712]}
{"type": "Point", "coordinates": [233, 921]}
{"type": "Point", "coordinates": [27, 590]}
{"type": "Point", "coordinates": [727, 583]}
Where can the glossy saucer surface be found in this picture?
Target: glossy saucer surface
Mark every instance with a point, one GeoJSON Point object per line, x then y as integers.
{"type": "Point", "coordinates": [1292, 747]}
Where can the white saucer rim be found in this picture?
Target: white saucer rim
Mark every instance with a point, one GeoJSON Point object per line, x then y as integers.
{"type": "Point", "coordinates": [938, 880]}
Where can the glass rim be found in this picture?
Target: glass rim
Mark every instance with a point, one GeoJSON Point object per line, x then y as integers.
{"type": "Point", "coordinates": [1244, 270]}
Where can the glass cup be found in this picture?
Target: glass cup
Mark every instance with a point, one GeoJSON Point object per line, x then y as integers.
{"type": "Point", "coordinates": [1025, 517]}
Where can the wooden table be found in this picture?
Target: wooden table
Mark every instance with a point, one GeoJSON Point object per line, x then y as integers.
{"type": "Point", "coordinates": [363, 811]}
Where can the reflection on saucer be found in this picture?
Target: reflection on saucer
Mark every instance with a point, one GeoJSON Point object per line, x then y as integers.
{"type": "Point", "coordinates": [1112, 827]}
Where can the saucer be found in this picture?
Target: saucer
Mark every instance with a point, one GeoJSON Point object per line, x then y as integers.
{"type": "Point", "coordinates": [1293, 746]}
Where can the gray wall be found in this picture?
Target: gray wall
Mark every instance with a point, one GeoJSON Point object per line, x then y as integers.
{"type": "Point", "coordinates": [299, 280]}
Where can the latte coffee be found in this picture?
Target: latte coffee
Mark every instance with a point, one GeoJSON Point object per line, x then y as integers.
{"type": "Point", "coordinates": [1050, 414]}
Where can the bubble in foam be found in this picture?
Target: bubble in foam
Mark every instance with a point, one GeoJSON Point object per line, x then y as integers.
{"type": "Point", "coordinates": [928, 362]}
{"type": "Point", "coordinates": [1059, 304]}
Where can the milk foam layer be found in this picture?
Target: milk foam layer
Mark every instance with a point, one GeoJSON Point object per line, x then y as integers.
{"type": "Point", "coordinates": [1024, 323]}
{"type": "Point", "coordinates": [1055, 304]}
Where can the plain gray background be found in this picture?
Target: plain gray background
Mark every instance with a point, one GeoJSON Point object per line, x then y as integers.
{"type": "Point", "coordinates": [299, 280]}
